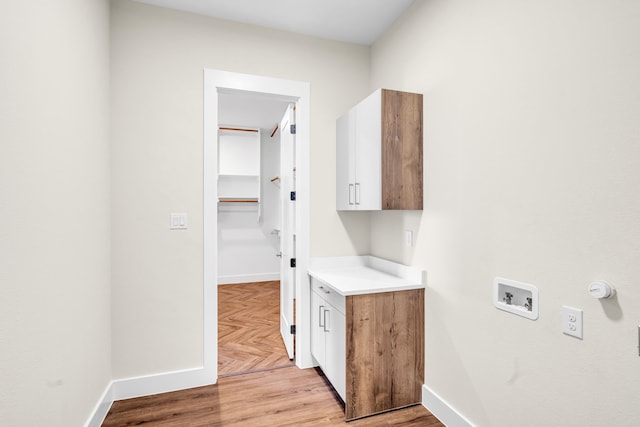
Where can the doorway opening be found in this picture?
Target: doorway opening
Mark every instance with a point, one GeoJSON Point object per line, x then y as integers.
{"type": "Point", "coordinates": [232, 196]}
{"type": "Point", "coordinates": [256, 170]}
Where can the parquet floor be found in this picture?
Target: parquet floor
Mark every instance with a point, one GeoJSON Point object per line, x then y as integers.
{"type": "Point", "coordinates": [249, 328]}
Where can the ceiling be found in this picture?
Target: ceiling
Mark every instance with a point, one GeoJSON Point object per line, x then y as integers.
{"type": "Point", "coordinates": [352, 21]}
{"type": "Point", "coordinates": [250, 110]}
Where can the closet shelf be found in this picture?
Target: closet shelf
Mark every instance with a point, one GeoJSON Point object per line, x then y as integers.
{"type": "Point", "coordinates": [236, 176]}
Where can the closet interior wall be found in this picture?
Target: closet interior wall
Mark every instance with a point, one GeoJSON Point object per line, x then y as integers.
{"type": "Point", "coordinates": [248, 208]}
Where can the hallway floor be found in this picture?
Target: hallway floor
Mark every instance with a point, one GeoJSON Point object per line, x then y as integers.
{"type": "Point", "coordinates": [258, 385]}
{"type": "Point", "coordinates": [278, 397]}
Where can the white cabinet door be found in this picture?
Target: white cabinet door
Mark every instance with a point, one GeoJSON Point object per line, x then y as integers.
{"type": "Point", "coordinates": [335, 351]}
{"type": "Point", "coordinates": [328, 340]}
{"type": "Point", "coordinates": [345, 156]}
{"type": "Point", "coordinates": [318, 306]}
{"type": "Point", "coordinates": [358, 156]}
{"type": "Point", "coordinates": [368, 156]}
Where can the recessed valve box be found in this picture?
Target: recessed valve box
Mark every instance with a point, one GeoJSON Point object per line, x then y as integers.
{"type": "Point", "coordinates": [516, 297]}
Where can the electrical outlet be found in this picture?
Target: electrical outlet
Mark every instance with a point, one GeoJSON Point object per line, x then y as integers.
{"type": "Point", "coordinates": [408, 238]}
{"type": "Point", "coordinates": [572, 321]}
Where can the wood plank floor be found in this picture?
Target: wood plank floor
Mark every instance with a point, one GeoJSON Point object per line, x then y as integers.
{"type": "Point", "coordinates": [249, 328]}
{"type": "Point", "coordinates": [279, 397]}
{"type": "Point", "coordinates": [272, 393]}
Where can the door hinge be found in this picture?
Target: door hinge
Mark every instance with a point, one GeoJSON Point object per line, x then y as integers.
{"type": "Point", "coordinates": [292, 263]}
{"type": "Point", "coordinates": [293, 329]}
{"type": "Point", "coordinates": [293, 129]}
{"type": "Point", "coordinates": [293, 196]}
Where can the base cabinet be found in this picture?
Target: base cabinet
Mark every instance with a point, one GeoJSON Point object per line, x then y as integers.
{"type": "Point", "coordinates": [370, 347]}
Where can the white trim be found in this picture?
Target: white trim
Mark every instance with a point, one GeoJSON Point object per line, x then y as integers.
{"type": "Point", "coordinates": [248, 278]}
{"type": "Point", "coordinates": [128, 388]}
{"type": "Point", "coordinates": [161, 383]}
{"type": "Point", "coordinates": [442, 410]}
{"type": "Point", "coordinates": [210, 227]}
{"type": "Point", "coordinates": [298, 92]}
{"type": "Point", "coordinates": [101, 409]}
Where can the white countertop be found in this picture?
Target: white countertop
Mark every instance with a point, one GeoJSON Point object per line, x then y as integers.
{"type": "Point", "coordinates": [356, 275]}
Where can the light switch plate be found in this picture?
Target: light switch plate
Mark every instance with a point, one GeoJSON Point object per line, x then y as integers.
{"type": "Point", "coordinates": [178, 221]}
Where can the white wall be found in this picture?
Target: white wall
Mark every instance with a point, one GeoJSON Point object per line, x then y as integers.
{"type": "Point", "coordinates": [55, 357]}
{"type": "Point", "coordinates": [532, 166]}
{"type": "Point", "coordinates": [158, 57]}
{"type": "Point", "coordinates": [245, 252]}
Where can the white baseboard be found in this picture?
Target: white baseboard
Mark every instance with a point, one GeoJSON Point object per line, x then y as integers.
{"type": "Point", "coordinates": [162, 383]}
{"type": "Point", "coordinates": [442, 410]}
{"type": "Point", "coordinates": [102, 408]}
{"type": "Point", "coordinates": [128, 388]}
{"type": "Point", "coordinates": [248, 278]}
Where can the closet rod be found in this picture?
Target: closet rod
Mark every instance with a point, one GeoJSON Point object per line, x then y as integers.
{"type": "Point", "coordinates": [274, 131]}
{"type": "Point", "coordinates": [238, 129]}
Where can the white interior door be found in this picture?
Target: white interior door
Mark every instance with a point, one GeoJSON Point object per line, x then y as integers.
{"type": "Point", "coordinates": [287, 227]}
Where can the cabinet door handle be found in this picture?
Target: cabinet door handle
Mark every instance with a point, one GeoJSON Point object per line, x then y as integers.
{"type": "Point", "coordinates": [327, 320]}
{"type": "Point", "coordinates": [351, 197]}
{"type": "Point", "coordinates": [321, 316]}
{"type": "Point", "coordinates": [357, 193]}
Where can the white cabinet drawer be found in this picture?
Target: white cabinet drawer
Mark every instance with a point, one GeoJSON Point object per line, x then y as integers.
{"type": "Point", "coordinates": [328, 294]}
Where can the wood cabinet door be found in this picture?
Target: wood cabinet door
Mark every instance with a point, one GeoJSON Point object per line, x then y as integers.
{"type": "Point", "coordinates": [385, 351]}
{"type": "Point", "coordinates": [401, 150]}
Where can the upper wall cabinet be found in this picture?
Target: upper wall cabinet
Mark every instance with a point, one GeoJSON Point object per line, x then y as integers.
{"type": "Point", "coordinates": [379, 153]}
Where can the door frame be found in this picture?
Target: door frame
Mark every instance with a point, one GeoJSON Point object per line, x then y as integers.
{"type": "Point", "coordinates": [216, 81]}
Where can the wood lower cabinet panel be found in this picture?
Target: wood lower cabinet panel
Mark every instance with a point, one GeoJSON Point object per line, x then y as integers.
{"type": "Point", "coordinates": [385, 351]}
